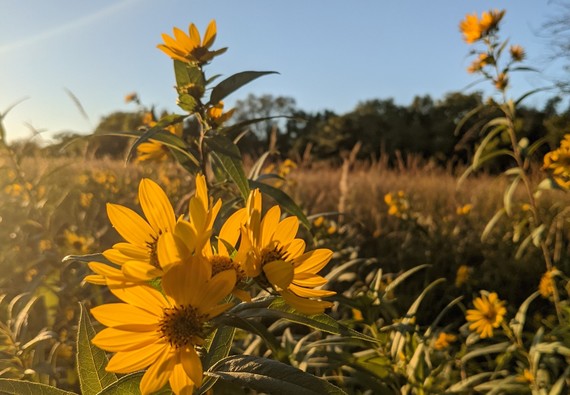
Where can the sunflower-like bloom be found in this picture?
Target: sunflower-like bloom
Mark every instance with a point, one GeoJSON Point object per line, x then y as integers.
{"type": "Point", "coordinates": [189, 47]}
{"type": "Point", "coordinates": [488, 314]}
{"type": "Point", "coordinates": [138, 257]}
{"type": "Point", "coordinates": [161, 331]}
{"type": "Point", "coordinates": [270, 253]}
{"type": "Point", "coordinates": [557, 162]}
{"type": "Point", "coordinates": [474, 29]}
{"type": "Point", "coordinates": [153, 150]}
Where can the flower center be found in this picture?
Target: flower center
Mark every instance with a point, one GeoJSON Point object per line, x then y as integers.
{"type": "Point", "coordinates": [223, 263]}
{"type": "Point", "coordinates": [182, 325]}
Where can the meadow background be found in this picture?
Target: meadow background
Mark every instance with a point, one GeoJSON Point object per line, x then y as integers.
{"type": "Point", "coordinates": [383, 187]}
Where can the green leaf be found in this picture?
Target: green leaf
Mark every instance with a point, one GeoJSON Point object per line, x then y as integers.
{"type": "Point", "coordinates": [508, 195]}
{"type": "Point", "coordinates": [21, 387]}
{"type": "Point", "coordinates": [228, 156]}
{"type": "Point", "coordinates": [321, 322]}
{"type": "Point", "coordinates": [233, 83]}
{"type": "Point", "coordinates": [491, 224]}
{"type": "Point", "coordinates": [269, 376]}
{"type": "Point", "coordinates": [91, 360]}
{"type": "Point", "coordinates": [466, 384]}
{"type": "Point", "coordinates": [492, 349]}
{"type": "Point", "coordinates": [218, 349]}
{"type": "Point", "coordinates": [283, 200]}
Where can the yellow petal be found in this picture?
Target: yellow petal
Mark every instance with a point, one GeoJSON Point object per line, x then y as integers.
{"type": "Point", "coordinates": [295, 248]}
{"type": "Point", "coordinates": [142, 296]}
{"type": "Point", "coordinates": [115, 340]}
{"type": "Point", "coordinates": [167, 251]}
{"type": "Point", "coordinates": [194, 35]}
{"type": "Point", "coordinates": [130, 361]}
{"type": "Point", "coordinates": [230, 231]}
{"type": "Point", "coordinates": [130, 225]}
{"type": "Point", "coordinates": [269, 225]}
{"type": "Point", "coordinates": [183, 40]}
{"type": "Point", "coordinates": [220, 286]}
{"type": "Point", "coordinates": [191, 364]}
{"type": "Point", "coordinates": [132, 251]}
{"type": "Point", "coordinates": [210, 34]}
{"type": "Point", "coordinates": [96, 279]}
{"type": "Point", "coordinates": [158, 373]}
{"type": "Point", "coordinates": [139, 271]}
{"type": "Point", "coordinates": [305, 306]}
{"type": "Point", "coordinates": [310, 292]}
{"type": "Point", "coordinates": [180, 383]}
{"type": "Point", "coordinates": [279, 273]}
{"type": "Point", "coordinates": [156, 206]}
{"type": "Point", "coordinates": [119, 314]}
{"type": "Point", "coordinates": [186, 283]}
{"type": "Point", "coordinates": [185, 233]}
{"type": "Point", "coordinates": [312, 261]}
{"type": "Point", "coordinates": [309, 280]}
{"type": "Point", "coordinates": [286, 230]}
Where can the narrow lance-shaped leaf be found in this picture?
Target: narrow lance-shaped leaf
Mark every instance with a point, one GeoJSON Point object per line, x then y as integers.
{"type": "Point", "coordinates": [233, 83]}
{"type": "Point", "coordinates": [227, 155]}
{"type": "Point", "coordinates": [129, 385]}
{"type": "Point", "coordinates": [91, 360]}
{"type": "Point", "coordinates": [20, 387]}
{"type": "Point", "coordinates": [269, 376]}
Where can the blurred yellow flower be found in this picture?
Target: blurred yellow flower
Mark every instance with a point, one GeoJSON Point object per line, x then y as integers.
{"type": "Point", "coordinates": [546, 285]}
{"type": "Point", "coordinates": [318, 221]}
{"type": "Point", "coordinates": [517, 53]}
{"type": "Point", "coordinates": [45, 245]}
{"type": "Point", "coordinates": [444, 340]}
{"type": "Point", "coordinates": [270, 253]}
{"type": "Point", "coordinates": [189, 47]}
{"type": "Point", "coordinates": [398, 205]}
{"type": "Point", "coordinates": [462, 276]}
{"type": "Point", "coordinates": [557, 162]}
{"type": "Point", "coordinates": [217, 116]}
{"type": "Point", "coordinates": [488, 314]}
{"type": "Point", "coordinates": [153, 150]}
{"type": "Point", "coordinates": [483, 60]}
{"type": "Point", "coordinates": [85, 199]}
{"type": "Point", "coordinates": [465, 209]}
{"type": "Point", "coordinates": [474, 29]}
{"type": "Point", "coordinates": [80, 244]}
{"type": "Point", "coordinates": [132, 97]}
{"type": "Point", "coordinates": [160, 331]}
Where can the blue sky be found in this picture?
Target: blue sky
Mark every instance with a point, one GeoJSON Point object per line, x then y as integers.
{"type": "Point", "coordinates": [330, 54]}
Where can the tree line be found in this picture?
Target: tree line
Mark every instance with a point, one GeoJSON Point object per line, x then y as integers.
{"type": "Point", "coordinates": [426, 127]}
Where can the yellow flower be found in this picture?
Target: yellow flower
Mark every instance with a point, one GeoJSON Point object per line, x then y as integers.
{"type": "Point", "coordinates": [137, 257]}
{"type": "Point", "coordinates": [557, 162]}
{"type": "Point", "coordinates": [483, 60]}
{"type": "Point", "coordinates": [318, 222]}
{"type": "Point", "coordinates": [81, 244]}
{"type": "Point", "coordinates": [470, 28]}
{"type": "Point", "coordinates": [153, 150]}
{"type": "Point", "coordinates": [517, 53]}
{"type": "Point", "coordinates": [488, 314]}
{"type": "Point", "coordinates": [463, 273]}
{"type": "Point", "coordinates": [217, 116]}
{"type": "Point", "coordinates": [161, 331]}
{"type": "Point", "coordinates": [270, 253]}
{"type": "Point", "coordinates": [85, 199]}
{"type": "Point", "coordinates": [398, 205]}
{"type": "Point", "coordinates": [464, 210]}
{"type": "Point", "coordinates": [444, 340]}
{"type": "Point", "coordinates": [188, 47]}
{"type": "Point", "coordinates": [132, 97]}
{"type": "Point", "coordinates": [474, 29]}
{"type": "Point", "coordinates": [546, 285]}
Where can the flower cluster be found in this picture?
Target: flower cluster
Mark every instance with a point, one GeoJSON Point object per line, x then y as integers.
{"type": "Point", "coordinates": [173, 277]}
{"type": "Point", "coordinates": [557, 163]}
{"type": "Point", "coordinates": [475, 29]}
{"type": "Point", "coordinates": [398, 204]}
